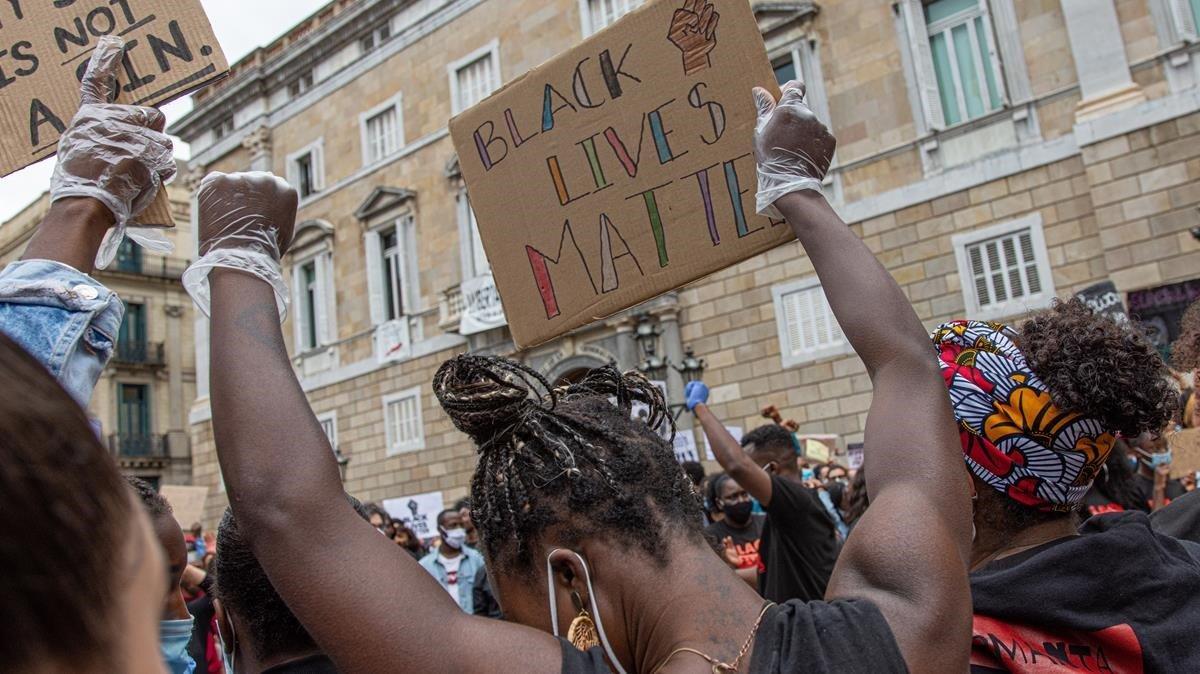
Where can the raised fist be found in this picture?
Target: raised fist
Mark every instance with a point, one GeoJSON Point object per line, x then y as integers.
{"type": "Point", "coordinates": [694, 31]}
{"type": "Point", "coordinates": [794, 149]}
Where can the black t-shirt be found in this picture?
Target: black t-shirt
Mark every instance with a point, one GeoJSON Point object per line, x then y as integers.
{"type": "Point", "coordinates": [1118, 598]}
{"type": "Point", "coordinates": [1181, 519]}
{"type": "Point", "coordinates": [1145, 486]}
{"type": "Point", "coordinates": [799, 545]}
{"type": "Point", "coordinates": [746, 540]}
{"type": "Point", "coordinates": [841, 636]}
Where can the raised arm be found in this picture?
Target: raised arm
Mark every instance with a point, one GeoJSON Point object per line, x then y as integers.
{"type": "Point", "coordinates": [736, 462]}
{"type": "Point", "coordinates": [909, 553]}
{"type": "Point", "coordinates": [282, 477]}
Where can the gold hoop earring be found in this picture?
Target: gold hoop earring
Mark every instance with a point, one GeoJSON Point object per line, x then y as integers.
{"type": "Point", "coordinates": [582, 633]}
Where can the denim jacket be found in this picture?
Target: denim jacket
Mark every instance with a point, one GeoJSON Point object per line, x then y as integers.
{"type": "Point", "coordinates": [62, 317]}
{"type": "Point", "coordinates": [471, 566]}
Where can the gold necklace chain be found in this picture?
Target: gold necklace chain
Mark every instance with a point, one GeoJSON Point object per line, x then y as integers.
{"type": "Point", "coordinates": [719, 667]}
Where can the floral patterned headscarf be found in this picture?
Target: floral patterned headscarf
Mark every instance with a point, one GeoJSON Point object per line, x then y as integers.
{"type": "Point", "coordinates": [1013, 436]}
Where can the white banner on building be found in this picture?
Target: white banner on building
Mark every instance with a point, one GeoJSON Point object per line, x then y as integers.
{"type": "Point", "coordinates": [482, 310]}
{"type": "Point", "coordinates": [393, 341]}
{"type": "Point", "coordinates": [418, 512]}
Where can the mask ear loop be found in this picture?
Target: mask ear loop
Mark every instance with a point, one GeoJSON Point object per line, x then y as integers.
{"type": "Point", "coordinates": [587, 577]}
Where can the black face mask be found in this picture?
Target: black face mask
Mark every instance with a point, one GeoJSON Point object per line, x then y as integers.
{"type": "Point", "coordinates": [738, 513]}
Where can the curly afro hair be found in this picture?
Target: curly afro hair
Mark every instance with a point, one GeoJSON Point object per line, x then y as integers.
{"type": "Point", "coordinates": [1185, 353]}
{"type": "Point", "coordinates": [1094, 365]}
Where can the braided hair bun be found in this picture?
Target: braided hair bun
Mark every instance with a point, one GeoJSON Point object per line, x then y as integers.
{"type": "Point", "coordinates": [486, 397]}
{"type": "Point", "coordinates": [565, 460]}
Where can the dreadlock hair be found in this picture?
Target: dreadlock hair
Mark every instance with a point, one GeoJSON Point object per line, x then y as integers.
{"type": "Point", "coordinates": [1096, 366]}
{"type": "Point", "coordinates": [567, 460]}
{"type": "Point", "coordinates": [65, 519]}
{"type": "Point", "coordinates": [1185, 353]}
{"type": "Point", "coordinates": [156, 505]}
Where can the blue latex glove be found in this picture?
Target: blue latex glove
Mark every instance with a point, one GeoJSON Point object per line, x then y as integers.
{"type": "Point", "coordinates": [696, 393]}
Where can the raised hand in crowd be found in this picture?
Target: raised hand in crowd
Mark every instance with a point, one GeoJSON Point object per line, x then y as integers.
{"type": "Point", "coordinates": [112, 162]}
{"type": "Point", "coordinates": [919, 491]}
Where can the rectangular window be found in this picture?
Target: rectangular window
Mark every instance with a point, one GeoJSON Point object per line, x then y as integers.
{"type": "Point", "coordinates": [801, 63]}
{"type": "Point", "coordinates": [376, 38]}
{"type": "Point", "coordinates": [475, 80]}
{"type": "Point", "coordinates": [309, 298]}
{"type": "Point", "coordinates": [299, 86]}
{"type": "Point", "coordinates": [1005, 269]}
{"type": "Point", "coordinates": [382, 132]}
{"type": "Point", "coordinates": [129, 257]}
{"type": "Point", "coordinates": [402, 422]}
{"type": "Point", "coordinates": [598, 14]}
{"type": "Point", "coordinates": [306, 169]}
{"type": "Point", "coordinates": [223, 128]}
{"type": "Point", "coordinates": [133, 418]}
{"type": "Point", "coordinates": [328, 423]}
{"type": "Point", "coordinates": [1196, 15]}
{"type": "Point", "coordinates": [131, 340]}
{"type": "Point", "coordinates": [392, 271]}
{"type": "Point", "coordinates": [964, 59]}
{"type": "Point", "coordinates": [807, 328]}
{"type": "Point", "coordinates": [785, 69]}
{"type": "Point", "coordinates": [393, 284]}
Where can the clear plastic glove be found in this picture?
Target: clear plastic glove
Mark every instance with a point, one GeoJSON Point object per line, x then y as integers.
{"type": "Point", "coordinates": [116, 154]}
{"type": "Point", "coordinates": [247, 221]}
{"type": "Point", "coordinates": [794, 149]}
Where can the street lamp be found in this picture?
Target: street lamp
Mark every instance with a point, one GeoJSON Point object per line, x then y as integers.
{"type": "Point", "coordinates": [693, 367]}
{"type": "Point", "coordinates": [343, 463]}
{"type": "Point", "coordinates": [646, 335]}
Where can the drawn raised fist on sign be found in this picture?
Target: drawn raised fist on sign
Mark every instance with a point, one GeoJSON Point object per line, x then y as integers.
{"type": "Point", "coordinates": [694, 31]}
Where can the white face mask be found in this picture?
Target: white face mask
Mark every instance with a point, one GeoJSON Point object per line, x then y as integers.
{"type": "Point", "coordinates": [227, 648]}
{"type": "Point", "coordinates": [587, 577]}
{"type": "Point", "coordinates": [455, 538]}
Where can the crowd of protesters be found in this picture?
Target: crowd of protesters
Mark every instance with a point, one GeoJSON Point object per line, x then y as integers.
{"type": "Point", "coordinates": [598, 550]}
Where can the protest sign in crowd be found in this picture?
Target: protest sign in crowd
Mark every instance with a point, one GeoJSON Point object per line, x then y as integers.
{"type": "Point", "coordinates": [1014, 509]}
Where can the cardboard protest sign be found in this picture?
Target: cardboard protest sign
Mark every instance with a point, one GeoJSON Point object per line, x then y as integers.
{"type": "Point", "coordinates": [623, 168]}
{"type": "Point", "coordinates": [1185, 452]}
{"type": "Point", "coordinates": [44, 52]}
{"type": "Point", "coordinates": [186, 502]}
{"type": "Point", "coordinates": [419, 513]}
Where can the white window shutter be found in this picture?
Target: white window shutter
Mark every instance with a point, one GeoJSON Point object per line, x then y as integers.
{"type": "Point", "coordinates": [922, 56]}
{"type": "Point", "coordinates": [293, 175]}
{"type": "Point", "coordinates": [1185, 22]}
{"type": "Point", "coordinates": [300, 322]}
{"type": "Point", "coordinates": [1007, 35]}
{"type": "Point", "coordinates": [326, 300]}
{"type": "Point", "coordinates": [406, 237]}
{"type": "Point", "coordinates": [318, 166]}
{"type": "Point", "coordinates": [375, 280]}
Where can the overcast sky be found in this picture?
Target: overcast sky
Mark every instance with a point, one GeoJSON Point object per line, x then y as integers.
{"type": "Point", "coordinates": [241, 25]}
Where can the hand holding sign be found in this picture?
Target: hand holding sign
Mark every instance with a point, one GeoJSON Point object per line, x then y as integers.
{"type": "Point", "coordinates": [694, 31]}
{"type": "Point", "coordinates": [794, 149]}
{"type": "Point", "coordinates": [246, 223]}
{"type": "Point", "coordinates": [116, 154]}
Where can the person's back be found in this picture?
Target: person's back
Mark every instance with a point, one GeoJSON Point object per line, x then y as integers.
{"type": "Point", "coordinates": [1041, 408]}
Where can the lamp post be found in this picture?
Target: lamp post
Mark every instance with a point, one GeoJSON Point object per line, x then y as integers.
{"type": "Point", "coordinates": [343, 463]}
{"type": "Point", "coordinates": [646, 335]}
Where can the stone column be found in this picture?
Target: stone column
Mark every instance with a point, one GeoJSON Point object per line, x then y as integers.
{"type": "Point", "coordinates": [1099, 50]}
{"type": "Point", "coordinates": [671, 343]}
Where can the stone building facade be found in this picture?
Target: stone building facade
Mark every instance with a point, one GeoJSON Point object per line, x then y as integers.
{"type": "Point", "coordinates": [145, 394]}
{"type": "Point", "coordinates": [994, 154]}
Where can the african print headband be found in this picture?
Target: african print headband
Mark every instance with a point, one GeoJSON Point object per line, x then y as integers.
{"type": "Point", "coordinates": [1013, 436]}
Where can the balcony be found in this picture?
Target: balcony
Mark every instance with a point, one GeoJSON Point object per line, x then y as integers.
{"type": "Point", "coordinates": [450, 309]}
{"type": "Point", "coordinates": [140, 354]}
{"type": "Point", "coordinates": [165, 268]}
{"type": "Point", "coordinates": [139, 446]}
